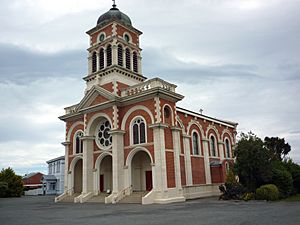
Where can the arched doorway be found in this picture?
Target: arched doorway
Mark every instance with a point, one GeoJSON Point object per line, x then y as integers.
{"type": "Point", "coordinates": [105, 174]}
{"type": "Point", "coordinates": [141, 172]}
{"type": "Point", "coordinates": [78, 176]}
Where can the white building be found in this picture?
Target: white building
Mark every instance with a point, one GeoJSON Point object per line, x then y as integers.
{"type": "Point", "coordinates": [54, 181]}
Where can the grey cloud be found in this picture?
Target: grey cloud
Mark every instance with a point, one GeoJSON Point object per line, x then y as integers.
{"type": "Point", "coordinates": [22, 65]}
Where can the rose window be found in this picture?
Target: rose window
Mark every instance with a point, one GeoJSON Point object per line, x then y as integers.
{"type": "Point", "coordinates": [104, 139]}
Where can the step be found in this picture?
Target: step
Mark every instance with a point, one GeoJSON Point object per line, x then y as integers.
{"type": "Point", "coordinates": [98, 198]}
{"type": "Point", "coordinates": [70, 198]}
{"type": "Point", "coordinates": [135, 197]}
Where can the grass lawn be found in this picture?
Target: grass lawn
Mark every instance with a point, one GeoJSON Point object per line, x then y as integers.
{"type": "Point", "coordinates": [294, 198]}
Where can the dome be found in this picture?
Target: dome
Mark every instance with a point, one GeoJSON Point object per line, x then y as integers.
{"type": "Point", "coordinates": [114, 14]}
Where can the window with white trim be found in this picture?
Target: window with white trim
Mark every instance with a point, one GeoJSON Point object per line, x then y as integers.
{"type": "Point", "coordinates": [139, 131]}
{"type": "Point", "coordinates": [213, 149]}
{"type": "Point", "coordinates": [78, 142]}
{"type": "Point", "coordinates": [104, 138]}
{"type": "Point", "coordinates": [195, 139]}
{"type": "Point", "coordinates": [227, 148]}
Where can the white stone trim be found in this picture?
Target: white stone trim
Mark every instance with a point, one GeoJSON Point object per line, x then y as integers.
{"type": "Point", "coordinates": [194, 122]}
{"type": "Point", "coordinates": [71, 130]}
{"type": "Point", "coordinates": [212, 127]}
{"type": "Point", "coordinates": [227, 131]}
{"type": "Point", "coordinates": [157, 109]}
{"type": "Point", "coordinates": [181, 125]}
{"type": "Point", "coordinates": [93, 119]}
{"type": "Point", "coordinates": [71, 175]}
{"type": "Point", "coordinates": [131, 110]}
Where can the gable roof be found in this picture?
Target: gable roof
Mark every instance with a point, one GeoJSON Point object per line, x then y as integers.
{"type": "Point", "coordinates": [92, 95]}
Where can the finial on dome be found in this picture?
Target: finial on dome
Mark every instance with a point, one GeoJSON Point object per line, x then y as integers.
{"type": "Point", "coordinates": [114, 5]}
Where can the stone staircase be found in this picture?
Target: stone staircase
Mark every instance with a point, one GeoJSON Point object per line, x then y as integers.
{"type": "Point", "coordinates": [70, 198]}
{"type": "Point", "coordinates": [135, 197]}
{"type": "Point", "coordinates": [98, 198]}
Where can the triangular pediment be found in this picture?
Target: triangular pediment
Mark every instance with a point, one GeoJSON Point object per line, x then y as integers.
{"type": "Point", "coordinates": [96, 95]}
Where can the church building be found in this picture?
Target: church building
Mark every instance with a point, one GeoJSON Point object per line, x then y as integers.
{"type": "Point", "coordinates": [128, 140]}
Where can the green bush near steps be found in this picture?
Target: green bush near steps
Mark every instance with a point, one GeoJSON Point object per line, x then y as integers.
{"type": "Point", "coordinates": [267, 192]}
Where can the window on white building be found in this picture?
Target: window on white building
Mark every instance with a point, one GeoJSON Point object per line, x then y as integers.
{"type": "Point", "coordinates": [52, 186]}
{"type": "Point", "coordinates": [50, 168]}
{"type": "Point", "coordinates": [58, 167]}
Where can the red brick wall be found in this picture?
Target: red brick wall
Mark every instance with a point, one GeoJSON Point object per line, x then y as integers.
{"type": "Point", "coordinates": [121, 30]}
{"type": "Point", "coordinates": [107, 30]}
{"type": "Point", "coordinates": [216, 174]}
{"type": "Point", "coordinates": [121, 86]}
{"type": "Point", "coordinates": [108, 87]}
{"type": "Point", "coordinates": [35, 179]}
{"type": "Point", "coordinates": [170, 169]}
{"type": "Point", "coordinates": [99, 99]}
{"type": "Point", "coordinates": [198, 172]}
{"type": "Point", "coordinates": [182, 171]}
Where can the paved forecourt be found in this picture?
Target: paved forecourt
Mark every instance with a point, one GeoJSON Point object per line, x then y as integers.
{"type": "Point", "coordinates": [42, 210]}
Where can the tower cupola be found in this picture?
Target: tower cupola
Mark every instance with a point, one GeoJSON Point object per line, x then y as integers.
{"type": "Point", "coordinates": [114, 52]}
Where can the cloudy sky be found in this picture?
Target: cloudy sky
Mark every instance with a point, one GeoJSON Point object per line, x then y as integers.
{"type": "Point", "coordinates": [236, 59]}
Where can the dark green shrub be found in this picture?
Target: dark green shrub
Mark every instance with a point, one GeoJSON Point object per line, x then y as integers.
{"type": "Point", "coordinates": [232, 191]}
{"type": "Point", "coordinates": [282, 179]}
{"type": "Point", "coordinates": [3, 189]}
{"type": "Point", "coordinates": [294, 170]}
{"type": "Point", "coordinates": [248, 196]}
{"type": "Point", "coordinates": [267, 192]}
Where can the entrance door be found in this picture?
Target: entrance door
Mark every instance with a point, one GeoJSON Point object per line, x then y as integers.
{"type": "Point", "coordinates": [101, 183]}
{"type": "Point", "coordinates": [148, 180]}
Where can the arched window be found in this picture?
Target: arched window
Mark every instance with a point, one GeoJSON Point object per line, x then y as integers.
{"type": "Point", "coordinates": [78, 142]}
{"type": "Point", "coordinates": [135, 62]}
{"type": "Point", "coordinates": [213, 146]}
{"type": "Point", "coordinates": [120, 55]}
{"type": "Point", "coordinates": [128, 62]}
{"type": "Point", "coordinates": [109, 55]}
{"type": "Point", "coordinates": [101, 59]}
{"type": "Point", "coordinates": [94, 62]}
{"type": "Point", "coordinates": [195, 143]}
{"type": "Point", "coordinates": [227, 148]}
{"type": "Point", "coordinates": [139, 131]}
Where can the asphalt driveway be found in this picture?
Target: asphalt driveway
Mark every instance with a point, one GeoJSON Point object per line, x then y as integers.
{"type": "Point", "coordinates": [42, 210]}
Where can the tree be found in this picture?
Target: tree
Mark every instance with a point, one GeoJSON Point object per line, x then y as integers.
{"type": "Point", "coordinates": [252, 162]}
{"type": "Point", "coordinates": [11, 184]}
{"type": "Point", "coordinates": [277, 147]}
{"type": "Point", "coordinates": [294, 170]}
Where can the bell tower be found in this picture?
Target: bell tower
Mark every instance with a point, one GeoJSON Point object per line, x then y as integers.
{"type": "Point", "coordinates": [114, 55]}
